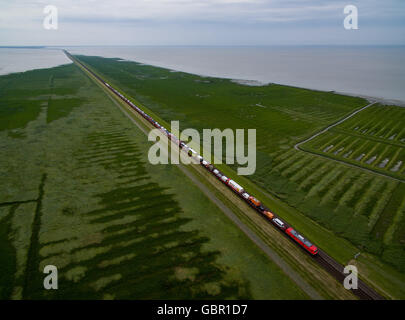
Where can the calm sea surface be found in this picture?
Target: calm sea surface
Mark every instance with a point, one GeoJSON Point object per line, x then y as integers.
{"type": "Point", "coordinates": [369, 71]}
{"type": "Point", "coordinates": [19, 60]}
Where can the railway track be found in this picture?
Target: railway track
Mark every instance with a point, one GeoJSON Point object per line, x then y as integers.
{"type": "Point", "coordinates": [363, 291]}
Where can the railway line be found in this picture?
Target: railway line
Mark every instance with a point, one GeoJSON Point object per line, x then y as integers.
{"type": "Point", "coordinates": [329, 264]}
{"type": "Point", "coordinates": [363, 291]}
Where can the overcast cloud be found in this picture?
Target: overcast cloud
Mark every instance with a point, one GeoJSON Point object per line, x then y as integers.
{"type": "Point", "coordinates": [201, 22]}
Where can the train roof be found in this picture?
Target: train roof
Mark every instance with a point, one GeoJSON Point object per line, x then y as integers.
{"type": "Point", "coordinates": [296, 234]}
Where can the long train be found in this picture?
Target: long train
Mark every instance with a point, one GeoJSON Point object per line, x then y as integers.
{"type": "Point", "coordinates": [235, 187]}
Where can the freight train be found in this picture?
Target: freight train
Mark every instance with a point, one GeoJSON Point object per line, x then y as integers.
{"type": "Point", "coordinates": [235, 187]}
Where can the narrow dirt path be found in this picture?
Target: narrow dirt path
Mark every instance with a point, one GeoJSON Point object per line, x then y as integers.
{"type": "Point", "coordinates": [297, 146]}
{"type": "Point", "coordinates": [332, 125]}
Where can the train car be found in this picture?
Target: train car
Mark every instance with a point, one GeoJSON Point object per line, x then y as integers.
{"type": "Point", "coordinates": [235, 186]}
{"type": "Point", "coordinates": [308, 246]}
{"type": "Point", "coordinates": [191, 152]}
{"type": "Point", "coordinates": [175, 140]}
{"type": "Point", "coordinates": [217, 173]}
{"type": "Point", "coordinates": [246, 195]}
{"type": "Point", "coordinates": [279, 223]}
{"type": "Point", "coordinates": [254, 201]}
{"type": "Point", "coordinates": [268, 214]}
{"type": "Point", "coordinates": [225, 179]}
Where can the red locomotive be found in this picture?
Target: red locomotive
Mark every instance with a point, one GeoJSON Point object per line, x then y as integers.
{"type": "Point", "coordinates": [308, 246]}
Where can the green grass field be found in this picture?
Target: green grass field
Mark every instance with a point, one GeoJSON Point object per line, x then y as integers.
{"type": "Point", "coordinates": [361, 207]}
{"type": "Point", "coordinates": [77, 192]}
{"type": "Point", "coordinates": [373, 139]}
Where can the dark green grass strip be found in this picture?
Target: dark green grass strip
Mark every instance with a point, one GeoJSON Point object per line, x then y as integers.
{"type": "Point", "coordinates": [7, 257]}
{"type": "Point", "coordinates": [385, 219]}
{"type": "Point", "coordinates": [33, 251]}
{"type": "Point", "coordinates": [12, 203]}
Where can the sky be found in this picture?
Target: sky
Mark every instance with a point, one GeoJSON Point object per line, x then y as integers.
{"type": "Point", "coordinates": [201, 22]}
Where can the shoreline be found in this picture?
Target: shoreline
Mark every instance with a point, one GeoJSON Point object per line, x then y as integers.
{"type": "Point", "coordinates": [384, 101]}
{"type": "Point", "coordinates": [241, 81]}
{"type": "Point", "coordinates": [252, 82]}
{"type": "Point", "coordinates": [255, 83]}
